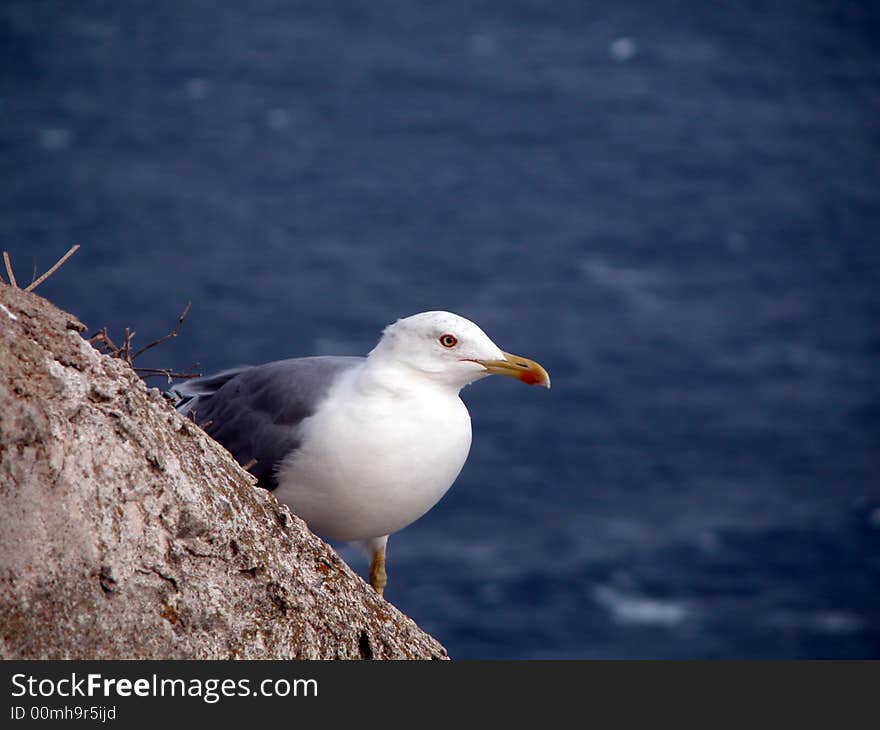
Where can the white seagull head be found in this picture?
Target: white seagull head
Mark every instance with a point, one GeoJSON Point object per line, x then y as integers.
{"type": "Point", "coordinates": [452, 350]}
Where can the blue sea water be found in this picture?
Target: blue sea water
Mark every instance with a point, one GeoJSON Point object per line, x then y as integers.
{"type": "Point", "coordinates": [674, 206]}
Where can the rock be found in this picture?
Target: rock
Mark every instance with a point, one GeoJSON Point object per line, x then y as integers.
{"type": "Point", "coordinates": [129, 533]}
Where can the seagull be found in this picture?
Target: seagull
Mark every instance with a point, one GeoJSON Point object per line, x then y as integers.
{"type": "Point", "coordinates": [358, 447]}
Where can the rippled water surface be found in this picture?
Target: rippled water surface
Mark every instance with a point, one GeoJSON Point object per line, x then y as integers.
{"type": "Point", "coordinates": [674, 206]}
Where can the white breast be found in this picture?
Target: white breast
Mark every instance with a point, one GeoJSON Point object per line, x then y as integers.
{"type": "Point", "coordinates": [372, 462]}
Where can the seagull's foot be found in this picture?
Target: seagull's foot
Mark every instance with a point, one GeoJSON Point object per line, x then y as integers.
{"type": "Point", "coordinates": [378, 578]}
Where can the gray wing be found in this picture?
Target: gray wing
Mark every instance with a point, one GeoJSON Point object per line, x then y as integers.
{"type": "Point", "coordinates": [255, 412]}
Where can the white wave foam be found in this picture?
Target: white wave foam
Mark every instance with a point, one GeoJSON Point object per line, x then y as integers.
{"type": "Point", "coordinates": [633, 609]}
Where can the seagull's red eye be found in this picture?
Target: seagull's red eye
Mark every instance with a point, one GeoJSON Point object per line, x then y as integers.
{"type": "Point", "coordinates": [448, 340]}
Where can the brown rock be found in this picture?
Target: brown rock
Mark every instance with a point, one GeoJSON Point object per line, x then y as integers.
{"type": "Point", "coordinates": [127, 533]}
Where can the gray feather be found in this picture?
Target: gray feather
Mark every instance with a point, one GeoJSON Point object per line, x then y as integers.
{"type": "Point", "coordinates": [255, 412]}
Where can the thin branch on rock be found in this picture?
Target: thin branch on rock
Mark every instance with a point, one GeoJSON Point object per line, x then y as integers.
{"type": "Point", "coordinates": [126, 346]}
{"type": "Point", "coordinates": [58, 264]}
{"type": "Point", "coordinates": [104, 344]}
{"type": "Point", "coordinates": [165, 373]}
{"type": "Point", "coordinates": [170, 336]}
{"type": "Point", "coordinates": [101, 339]}
{"type": "Point", "coordinates": [35, 282]}
{"type": "Point", "coordinates": [9, 271]}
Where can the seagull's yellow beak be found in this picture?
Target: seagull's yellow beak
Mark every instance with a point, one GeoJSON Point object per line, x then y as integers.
{"type": "Point", "coordinates": [521, 368]}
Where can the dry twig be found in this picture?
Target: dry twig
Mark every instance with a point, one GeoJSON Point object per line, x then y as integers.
{"type": "Point", "coordinates": [58, 264]}
{"type": "Point", "coordinates": [101, 339]}
{"type": "Point", "coordinates": [170, 336]}
{"type": "Point", "coordinates": [165, 373]}
{"type": "Point", "coordinates": [9, 271]}
{"type": "Point", "coordinates": [103, 343]}
{"type": "Point", "coordinates": [35, 282]}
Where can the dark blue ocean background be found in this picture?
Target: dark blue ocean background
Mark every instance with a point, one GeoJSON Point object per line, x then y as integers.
{"type": "Point", "coordinates": [674, 206]}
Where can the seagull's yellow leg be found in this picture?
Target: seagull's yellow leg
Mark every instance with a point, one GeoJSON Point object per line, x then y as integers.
{"type": "Point", "coordinates": [378, 578]}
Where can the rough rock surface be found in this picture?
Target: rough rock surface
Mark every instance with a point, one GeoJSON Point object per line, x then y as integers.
{"type": "Point", "coordinates": [127, 533]}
